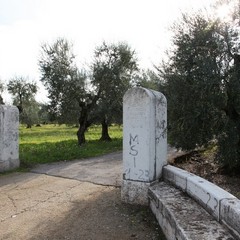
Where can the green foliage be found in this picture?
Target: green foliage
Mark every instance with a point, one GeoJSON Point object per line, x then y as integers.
{"type": "Point", "coordinates": [29, 114]}
{"type": "Point", "coordinates": [71, 98]}
{"type": "Point", "coordinates": [201, 82]}
{"type": "Point", "coordinates": [86, 98]}
{"type": "Point", "coordinates": [23, 92]}
{"type": "Point", "coordinates": [193, 84]}
{"type": "Point", "coordinates": [1, 89]}
{"type": "Point", "coordinates": [113, 68]}
{"type": "Point", "coordinates": [22, 89]}
{"type": "Point", "coordinates": [52, 143]}
{"type": "Point", "coordinates": [43, 114]}
{"type": "Point", "coordinates": [65, 84]}
{"type": "Point", "coordinates": [148, 79]}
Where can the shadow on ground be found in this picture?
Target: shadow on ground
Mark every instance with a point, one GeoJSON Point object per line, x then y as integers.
{"type": "Point", "coordinates": [102, 216]}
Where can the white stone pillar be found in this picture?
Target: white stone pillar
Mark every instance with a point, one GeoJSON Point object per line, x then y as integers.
{"type": "Point", "coordinates": [9, 150]}
{"type": "Point", "coordinates": [144, 142]}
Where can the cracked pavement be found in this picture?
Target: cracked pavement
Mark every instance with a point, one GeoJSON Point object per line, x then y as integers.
{"type": "Point", "coordinates": [72, 200]}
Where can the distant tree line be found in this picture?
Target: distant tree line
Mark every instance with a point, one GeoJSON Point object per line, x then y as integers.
{"type": "Point", "coordinates": [79, 97]}
{"type": "Point", "coordinates": [23, 91]}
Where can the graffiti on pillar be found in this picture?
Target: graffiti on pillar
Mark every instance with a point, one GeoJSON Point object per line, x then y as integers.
{"type": "Point", "coordinates": [133, 144]}
{"type": "Point", "coordinates": [161, 134]}
{"type": "Point", "coordinates": [141, 174]}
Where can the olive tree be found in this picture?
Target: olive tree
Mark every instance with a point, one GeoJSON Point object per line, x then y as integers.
{"type": "Point", "coordinates": [23, 92]}
{"type": "Point", "coordinates": [71, 98]}
{"type": "Point", "coordinates": [201, 81]}
{"type": "Point", "coordinates": [113, 69]}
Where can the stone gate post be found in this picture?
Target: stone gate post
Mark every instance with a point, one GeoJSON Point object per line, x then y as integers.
{"type": "Point", "coordinates": [144, 142]}
{"type": "Point", "coordinates": [9, 152]}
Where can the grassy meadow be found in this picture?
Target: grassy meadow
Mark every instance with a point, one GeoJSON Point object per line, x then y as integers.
{"type": "Point", "coordinates": [52, 143]}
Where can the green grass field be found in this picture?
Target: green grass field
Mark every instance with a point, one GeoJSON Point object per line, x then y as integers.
{"type": "Point", "coordinates": [52, 143]}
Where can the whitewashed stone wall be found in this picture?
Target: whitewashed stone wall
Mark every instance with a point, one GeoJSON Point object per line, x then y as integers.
{"type": "Point", "coordinates": [144, 142]}
{"type": "Point", "coordinates": [9, 152]}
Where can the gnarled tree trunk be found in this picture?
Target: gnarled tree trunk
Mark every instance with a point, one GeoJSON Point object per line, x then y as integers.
{"type": "Point", "coordinates": [81, 135]}
{"type": "Point", "coordinates": [105, 136]}
{"type": "Point", "coordinates": [83, 125]}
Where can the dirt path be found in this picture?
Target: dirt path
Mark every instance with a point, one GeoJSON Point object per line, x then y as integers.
{"type": "Point", "coordinates": [50, 204]}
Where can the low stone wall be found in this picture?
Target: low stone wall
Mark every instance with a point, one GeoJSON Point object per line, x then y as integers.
{"type": "Point", "coordinates": [181, 217]}
{"type": "Point", "coordinates": [223, 206]}
{"type": "Point", "coordinates": [9, 150]}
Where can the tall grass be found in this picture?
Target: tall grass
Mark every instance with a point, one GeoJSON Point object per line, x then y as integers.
{"type": "Point", "coordinates": [51, 143]}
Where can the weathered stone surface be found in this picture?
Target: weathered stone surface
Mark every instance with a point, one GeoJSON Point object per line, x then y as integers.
{"type": "Point", "coordinates": [144, 138]}
{"type": "Point", "coordinates": [176, 176]}
{"type": "Point", "coordinates": [180, 217]}
{"type": "Point", "coordinates": [206, 193]}
{"type": "Point", "coordinates": [144, 134]}
{"type": "Point", "coordinates": [230, 214]}
{"type": "Point", "coordinates": [9, 153]}
{"type": "Point", "coordinates": [134, 192]}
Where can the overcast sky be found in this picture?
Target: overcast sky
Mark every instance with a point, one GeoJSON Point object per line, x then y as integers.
{"type": "Point", "coordinates": [26, 24]}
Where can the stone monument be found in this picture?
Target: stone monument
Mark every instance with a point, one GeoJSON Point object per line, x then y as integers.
{"type": "Point", "coordinates": [9, 152]}
{"type": "Point", "coordinates": [144, 142]}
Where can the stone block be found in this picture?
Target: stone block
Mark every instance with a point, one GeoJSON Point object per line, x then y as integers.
{"type": "Point", "coordinates": [230, 215]}
{"type": "Point", "coordinates": [144, 134]}
{"type": "Point", "coordinates": [207, 194]}
{"type": "Point", "coordinates": [176, 176]}
{"type": "Point", "coordinates": [180, 217]}
{"type": "Point", "coordinates": [144, 141]}
{"type": "Point", "coordinates": [134, 192]}
{"type": "Point", "coordinates": [9, 148]}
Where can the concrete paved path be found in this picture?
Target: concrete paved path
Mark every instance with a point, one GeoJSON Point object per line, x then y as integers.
{"type": "Point", "coordinates": [72, 200]}
{"type": "Point", "coordinates": [104, 170]}
{"type": "Point", "coordinates": [78, 200]}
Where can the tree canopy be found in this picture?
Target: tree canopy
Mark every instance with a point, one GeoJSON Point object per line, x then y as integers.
{"type": "Point", "coordinates": [66, 85]}
{"type": "Point", "coordinates": [202, 83]}
{"type": "Point", "coordinates": [23, 92]}
{"type": "Point", "coordinates": [113, 68]}
{"type": "Point", "coordinates": [60, 77]}
{"type": "Point", "coordinates": [93, 96]}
